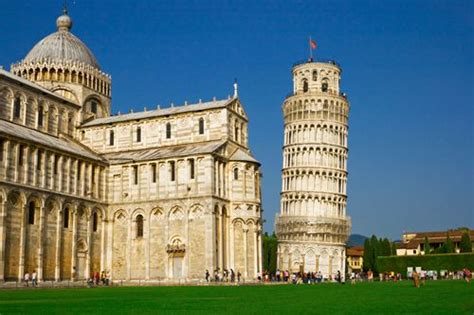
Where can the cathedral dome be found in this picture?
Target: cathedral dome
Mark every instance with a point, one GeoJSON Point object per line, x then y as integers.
{"type": "Point", "coordinates": [61, 46]}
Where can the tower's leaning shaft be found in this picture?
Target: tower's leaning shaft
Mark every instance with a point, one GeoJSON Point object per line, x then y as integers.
{"type": "Point", "coordinates": [312, 226]}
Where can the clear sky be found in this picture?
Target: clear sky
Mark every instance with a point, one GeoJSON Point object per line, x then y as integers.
{"type": "Point", "coordinates": [407, 69]}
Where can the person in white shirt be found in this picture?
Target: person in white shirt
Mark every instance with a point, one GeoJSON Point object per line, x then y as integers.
{"type": "Point", "coordinates": [27, 278]}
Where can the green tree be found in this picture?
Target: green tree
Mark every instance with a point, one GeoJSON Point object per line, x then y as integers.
{"type": "Point", "coordinates": [448, 245]}
{"type": "Point", "coordinates": [465, 245]}
{"type": "Point", "coordinates": [394, 249]}
{"type": "Point", "coordinates": [269, 258]}
{"type": "Point", "coordinates": [374, 242]}
{"type": "Point", "coordinates": [426, 246]}
{"type": "Point", "coordinates": [368, 256]}
{"type": "Point", "coordinates": [385, 248]}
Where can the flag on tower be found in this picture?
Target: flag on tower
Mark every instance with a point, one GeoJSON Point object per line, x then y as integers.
{"type": "Point", "coordinates": [312, 44]}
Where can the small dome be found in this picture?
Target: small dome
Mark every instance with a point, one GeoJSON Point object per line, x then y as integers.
{"type": "Point", "coordinates": [64, 22]}
{"type": "Point", "coordinates": [61, 46]}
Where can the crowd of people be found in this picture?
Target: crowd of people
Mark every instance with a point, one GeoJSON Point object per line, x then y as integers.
{"type": "Point", "coordinates": [98, 279]}
{"type": "Point", "coordinates": [299, 277]}
{"type": "Point", "coordinates": [33, 278]}
{"type": "Point", "coordinates": [223, 276]}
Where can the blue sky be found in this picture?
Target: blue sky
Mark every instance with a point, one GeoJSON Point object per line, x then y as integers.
{"type": "Point", "coordinates": [407, 69]}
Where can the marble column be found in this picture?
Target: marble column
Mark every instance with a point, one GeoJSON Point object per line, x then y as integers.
{"type": "Point", "coordinates": [41, 236]}
{"type": "Point", "coordinates": [21, 262]}
{"type": "Point", "coordinates": [245, 252]}
{"type": "Point", "coordinates": [74, 242]}
{"type": "Point", "coordinates": [231, 246]}
{"type": "Point", "coordinates": [255, 251]}
{"type": "Point", "coordinates": [87, 272]}
{"type": "Point", "coordinates": [57, 271]}
{"type": "Point", "coordinates": [102, 242]}
{"type": "Point", "coordinates": [3, 237]}
{"type": "Point", "coordinates": [219, 241]}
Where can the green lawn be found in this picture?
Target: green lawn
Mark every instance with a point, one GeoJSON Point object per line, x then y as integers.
{"type": "Point", "coordinates": [436, 297]}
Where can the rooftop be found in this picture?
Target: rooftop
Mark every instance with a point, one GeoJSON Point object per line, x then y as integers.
{"type": "Point", "coordinates": [35, 86]}
{"type": "Point", "coordinates": [159, 112]}
{"type": "Point", "coordinates": [56, 143]}
{"type": "Point", "coordinates": [172, 151]}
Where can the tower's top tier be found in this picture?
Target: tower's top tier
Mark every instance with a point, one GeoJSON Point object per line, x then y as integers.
{"type": "Point", "coordinates": [316, 77]}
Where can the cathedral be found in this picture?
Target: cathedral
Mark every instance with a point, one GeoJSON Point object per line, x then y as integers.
{"type": "Point", "coordinates": [163, 194]}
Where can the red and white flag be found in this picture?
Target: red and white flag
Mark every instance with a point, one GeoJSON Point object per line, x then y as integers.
{"type": "Point", "coordinates": [312, 44]}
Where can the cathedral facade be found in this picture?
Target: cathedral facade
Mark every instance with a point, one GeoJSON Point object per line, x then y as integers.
{"type": "Point", "coordinates": [161, 194]}
{"type": "Point", "coordinates": [313, 226]}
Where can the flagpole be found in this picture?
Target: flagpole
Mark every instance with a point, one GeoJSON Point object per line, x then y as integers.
{"type": "Point", "coordinates": [310, 50]}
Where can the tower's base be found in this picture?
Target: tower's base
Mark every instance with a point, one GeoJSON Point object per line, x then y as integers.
{"type": "Point", "coordinates": [325, 258]}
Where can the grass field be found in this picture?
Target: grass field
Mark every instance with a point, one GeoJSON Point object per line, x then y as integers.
{"type": "Point", "coordinates": [436, 297]}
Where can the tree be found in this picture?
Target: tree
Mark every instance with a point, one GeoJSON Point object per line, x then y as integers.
{"type": "Point", "coordinates": [426, 246]}
{"type": "Point", "coordinates": [465, 245]}
{"type": "Point", "coordinates": [368, 256]}
{"type": "Point", "coordinates": [269, 258]}
{"type": "Point", "coordinates": [374, 242]}
{"type": "Point", "coordinates": [385, 248]}
{"type": "Point", "coordinates": [448, 245]}
{"type": "Point", "coordinates": [394, 249]}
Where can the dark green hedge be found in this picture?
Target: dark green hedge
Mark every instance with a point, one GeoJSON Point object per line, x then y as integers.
{"type": "Point", "coordinates": [451, 262]}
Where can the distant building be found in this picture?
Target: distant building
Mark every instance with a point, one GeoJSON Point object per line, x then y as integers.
{"type": "Point", "coordinates": [355, 258]}
{"type": "Point", "coordinates": [413, 242]}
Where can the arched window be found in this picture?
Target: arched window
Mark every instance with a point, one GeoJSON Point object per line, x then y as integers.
{"type": "Point", "coordinates": [172, 171]}
{"type": "Point", "coordinates": [305, 85]}
{"type": "Point", "coordinates": [94, 222]}
{"type": "Point", "coordinates": [324, 87]}
{"type": "Point", "coordinates": [315, 75]}
{"type": "Point", "coordinates": [17, 108]}
{"type": "Point", "coordinates": [66, 218]}
{"type": "Point", "coordinates": [191, 169]}
{"type": "Point", "coordinates": [236, 133]}
{"type": "Point", "coordinates": [40, 116]}
{"type": "Point", "coordinates": [111, 137]}
{"type": "Point", "coordinates": [31, 212]}
{"type": "Point", "coordinates": [135, 174]}
{"type": "Point", "coordinates": [139, 134]}
{"type": "Point", "coordinates": [236, 173]}
{"type": "Point", "coordinates": [168, 131]}
{"type": "Point", "coordinates": [201, 126]}
{"type": "Point", "coordinates": [94, 107]}
{"type": "Point", "coordinates": [139, 225]}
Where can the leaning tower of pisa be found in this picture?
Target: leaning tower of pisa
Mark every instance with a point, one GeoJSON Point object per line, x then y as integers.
{"type": "Point", "coordinates": [312, 226]}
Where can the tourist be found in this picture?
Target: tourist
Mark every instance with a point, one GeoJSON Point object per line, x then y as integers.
{"type": "Point", "coordinates": [102, 277]}
{"type": "Point", "coordinates": [232, 275]}
{"type": "Point", "coordinates": [107, 278]}
{"type": "Point", "coordinates": [466, 273]}
{"type": "Point", "coordinates": [278, 275]}
{"type": "Point", "coordinates": [27, 278]}
{"type": "Point", "coordinates": [90, 283]}
{"type": "Point", "coordinates": [34, 279]}
{"type": "Point", "coordinates": [416, 278]}
{"type": "Point", "coordinates": [238, 276]}
{"type": "Point", "coordinates": [207, 275]}
{"type": "Point", "coordinates": [96, 278]}
{"type": "Point", "coordinates": [353, 278]}
{"type": "Point", "coordinates": [370, 275]}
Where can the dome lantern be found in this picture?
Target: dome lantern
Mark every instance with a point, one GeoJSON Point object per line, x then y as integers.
{"type": "Point", "coordinates": [64, 22]}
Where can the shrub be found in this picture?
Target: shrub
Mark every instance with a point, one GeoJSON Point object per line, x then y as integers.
{"type": "Point", "coordinates": [437, 262]}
